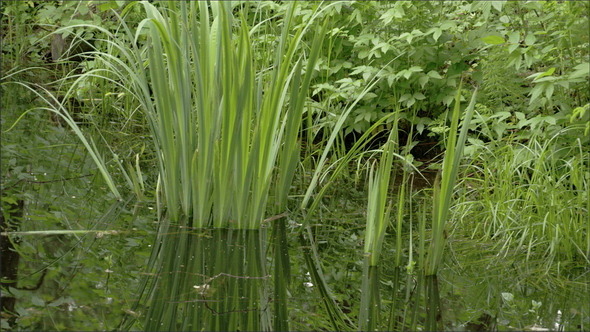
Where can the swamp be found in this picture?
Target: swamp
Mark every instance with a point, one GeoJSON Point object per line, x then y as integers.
{"type": "Point", "coordinates": [295, 165]}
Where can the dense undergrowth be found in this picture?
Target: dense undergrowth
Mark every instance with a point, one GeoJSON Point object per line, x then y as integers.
{"type": "Point", "coordinates": [295, 166]}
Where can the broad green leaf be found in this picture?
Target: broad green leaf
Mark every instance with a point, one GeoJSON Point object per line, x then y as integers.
{"type": "Point", "coordinates": [437, 33]}
{"type": "Point", "coordinates": [388, 16]}
{"type": "Point", "coordinates": [423, 80]}
{"type": "Point", "coordinates": [36, 300]}
{"type": "Point", "coordinates": [549, 92]}
{"type": "Point", "coordinates": [513, 37]}
{"type": "Point", "coordinates": [405, 97]}
{"type": "Point", "coordinates": [536, 92]}
{"type": "Point", "coordinates": [548, 72]}
{"type": "Point", "coordinates": [419, 96]}
{"type": "Point", "coordinates": [448, 25]}
{"type": "Point", "coordinates": [108, 5]}
{"type": "Point", "coordinates": [530, 39]}
{"type": "Point", "coordinates": [369, 96]}
{"type": "Point", "coordinates": [543, 76]}
{"type": "Point", "coordinates": [581, 70]}
{"type": "Point", "coordinates": [434, 74]}
{"type": "Point", "coordinates": [9, 200]}
{"type": "Point", "coordinates": [447, 100]}
{"type": "Point", "coordinates": [512, 47]}
{"type": "Point", "coordinates": [60, 301]}
{"type": "Point", "coordinates": [391, 78]}
{"type": "Point", "coordinates": [520, 116]}
{"type": "Point", "coordinates": [406, 73]}
{"type": "Point", "coordinates": [420, 128]}
{"type": "Point", "coordinates": [493, 40]}
{"type": "Point", "coordinates": [83, 8]}
{"type": "Point", "coordinates": [498, 5]}
{"type": "Point", "coordinates": [583, 66]}
{"type": "Point", "coordinates": [501, 115]}
{"type": "Point", "coordinates": [549, 79]}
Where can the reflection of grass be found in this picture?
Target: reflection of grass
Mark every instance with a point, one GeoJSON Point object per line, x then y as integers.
{"type": "Point", "coordinates": [477, 282]}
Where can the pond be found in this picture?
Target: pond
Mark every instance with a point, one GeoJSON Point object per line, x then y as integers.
{"type": "Point", "coordinates": [473, 292]}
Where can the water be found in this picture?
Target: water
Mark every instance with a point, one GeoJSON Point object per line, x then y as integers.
{"type": "Point", "coordinates": [474, 291]}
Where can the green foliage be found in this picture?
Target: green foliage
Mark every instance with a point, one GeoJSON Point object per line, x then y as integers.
{"type": "Point", "coordinates": [366, 38]}
{"type": "Point", "coordinates": [207, 173]}
{"type": "Point", "coordinates": [223, 128]}
{"type": "Point", "coordinates": [198, 112]}
{"type": "Point", "coordinates": [514, 46]}
{"type": "Point", "coordinates": [378, 214]}
{"type": "Point", "coordinates": [378, 208]}
{"type": "Point", "coordinates": [28, 24]}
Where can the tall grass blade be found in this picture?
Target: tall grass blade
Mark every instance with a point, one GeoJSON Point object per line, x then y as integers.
{"type": "Point", "coordinates": [444, 192]}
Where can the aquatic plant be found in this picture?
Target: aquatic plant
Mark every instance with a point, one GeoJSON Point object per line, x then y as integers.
{"type": "Point", "coordinates": [224, 126]}
{"type": "Point", "coordinates": [443, 188]}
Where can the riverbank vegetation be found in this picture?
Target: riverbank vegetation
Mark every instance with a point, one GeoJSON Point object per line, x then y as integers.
{"type": "Point", "coordinates": [295, 165]}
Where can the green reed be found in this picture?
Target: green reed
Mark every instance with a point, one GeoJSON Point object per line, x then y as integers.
{"type": "Point", "coordinates": [444, 188]}
{"type": "Point", "coordinates": [224, 128]}
{"type": "Point", "coordinates": [378, 212]}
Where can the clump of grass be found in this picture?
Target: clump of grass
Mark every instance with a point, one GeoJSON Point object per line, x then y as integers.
{"type": "Point", "coordinates": [531, 198]}
{"type": "Point", "coordinates": [225, 127]}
